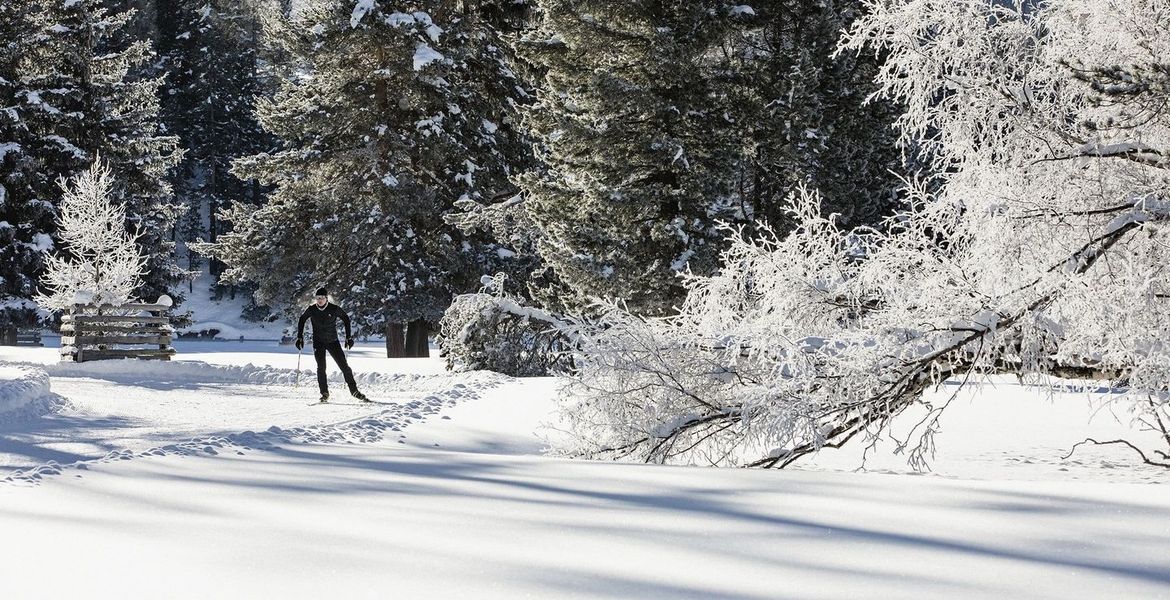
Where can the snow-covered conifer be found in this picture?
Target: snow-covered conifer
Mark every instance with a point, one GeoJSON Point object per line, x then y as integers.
{"type": "Point", "coordinates": [80, 90]}
{"type": "Point", "coordinates": [210, 51]}
{"type": "Point", "coordinates": [656, 120]}
{"type": "Point", "coordinates": [803, 116]}
{"type": "Point", "coordinates": [26, 212]}
{"type": "Point", "coordinates": [388, 114]}
{"type": "Point", "coordinates": [635, 154]}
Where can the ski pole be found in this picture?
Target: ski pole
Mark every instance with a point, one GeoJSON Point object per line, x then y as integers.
{"type": "Point", "coordinates": [298, 380]}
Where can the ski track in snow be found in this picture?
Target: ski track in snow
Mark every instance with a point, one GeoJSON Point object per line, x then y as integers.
{"type": "Point", "coordinates": [28, 396]}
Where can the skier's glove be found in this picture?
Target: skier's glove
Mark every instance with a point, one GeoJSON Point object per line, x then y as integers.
{"type": "Point", "coordinates": [300, 343]}
{"type": "Point", "coordinates": [348, 343]}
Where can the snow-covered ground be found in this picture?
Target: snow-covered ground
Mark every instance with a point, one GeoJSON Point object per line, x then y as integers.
{"type": "Point", "coordinates": [211, 477]}
{"type": "Point", "coordinates": [223, 315]}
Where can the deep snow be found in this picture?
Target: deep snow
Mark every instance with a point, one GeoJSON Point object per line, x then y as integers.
{"type": "Point", "coordinates": [207, 477]}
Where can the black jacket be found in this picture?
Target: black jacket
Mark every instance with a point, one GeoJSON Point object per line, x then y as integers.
{"type": "Point", "coordinates": [324, 323]}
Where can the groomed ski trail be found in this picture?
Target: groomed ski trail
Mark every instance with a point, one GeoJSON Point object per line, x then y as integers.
{"type": "Point", "coordinates": [115, 412]}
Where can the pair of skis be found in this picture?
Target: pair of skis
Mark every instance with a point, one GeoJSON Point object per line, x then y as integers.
{"type": "Point", "coordinates": [366, 402]}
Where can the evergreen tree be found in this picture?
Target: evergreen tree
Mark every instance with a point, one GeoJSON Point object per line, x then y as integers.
{"type": "Point", "coordinates": [634, 143]}
{"type": "Point", "coordinates": [26, 214]}
{"type": "Point", "coordinates": [80, 90]}
{"type": "Point", "coordinates": [388, 114]}
{"type": "Point", "coordinates": [210, 53]}
{"type": "Point", "coordinates": [657, 120]}
{"type": "Point", "coordinates": [802, 113]}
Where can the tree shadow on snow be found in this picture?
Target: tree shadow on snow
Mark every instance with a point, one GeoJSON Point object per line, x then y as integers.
{"type": "Point", "coordinates": [35, 441]}
{"type": "Point", "coordinates": [777, 537]}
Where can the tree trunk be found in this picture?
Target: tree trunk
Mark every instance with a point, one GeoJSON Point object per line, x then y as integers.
{"type": "Point", "coordinates": [395, 348]}
{"type": "Point", "coordinates": [416, 339]}
{"type": "Point", "coordinates": [412, 339]}
{"type": "Point", "coordinates": [8, 336]}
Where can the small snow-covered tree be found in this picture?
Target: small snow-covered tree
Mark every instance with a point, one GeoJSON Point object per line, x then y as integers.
{"type": "Point", "coordinates": [1037, 244]}
{"type": "Point", "coordinates": [103, 264]}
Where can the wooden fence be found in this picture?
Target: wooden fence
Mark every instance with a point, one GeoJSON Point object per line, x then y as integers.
{"type": "Point", "coordinates": [28, 337]}
{"type": "Point", "coordinates": [91, 332]}
{"type": "Point", "coordinates": [12, 336]}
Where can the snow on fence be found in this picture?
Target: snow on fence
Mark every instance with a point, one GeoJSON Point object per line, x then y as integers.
{"type": "Point", "coordinates": [28, 337]}
{"type": "Point", "coordinates": [104, 332]}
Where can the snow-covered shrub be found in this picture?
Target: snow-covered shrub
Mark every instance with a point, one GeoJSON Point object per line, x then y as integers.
{"type": "Point", "coordinates": [103, 264]}
{"type": "Point", "coordinates": [485, 331]}
{"type": "Point", "coordinates": [1036, 245]}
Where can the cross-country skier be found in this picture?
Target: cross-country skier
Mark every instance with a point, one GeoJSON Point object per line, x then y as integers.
{"type": "Point", "coordinates": [324, 315]}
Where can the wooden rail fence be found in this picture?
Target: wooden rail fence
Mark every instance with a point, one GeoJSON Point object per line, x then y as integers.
{"type": "Point", "coordinates": [91, 332]}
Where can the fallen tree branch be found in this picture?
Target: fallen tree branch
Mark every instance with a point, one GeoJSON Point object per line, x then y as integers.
{"type": "Point", "coordinates": [1145, 458]}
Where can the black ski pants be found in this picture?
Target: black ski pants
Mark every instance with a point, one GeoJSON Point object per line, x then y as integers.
{"type": "Point", "coordinates": [338, 355]}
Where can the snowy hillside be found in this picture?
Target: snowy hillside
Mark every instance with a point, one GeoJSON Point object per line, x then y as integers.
{"type": "Point", "coordinates": [223, 316]}
{"type": "Point", "coordinates": [134, 476]}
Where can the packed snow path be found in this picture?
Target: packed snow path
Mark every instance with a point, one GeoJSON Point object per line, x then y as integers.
{"type": "Point", "coordinates": [114, 410]}
{"type": "Point", "coordinates": [444, 495]}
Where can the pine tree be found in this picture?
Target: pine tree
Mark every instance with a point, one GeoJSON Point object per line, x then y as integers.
{"type": "Point", "coordinates": [81, 90]}
{"type": "Point", "coordinates": [209, 50]}
{"type": "Point", "coordinates": [658, 120]}
{"type": "Point", "coordinates": [634, 145]}
{"type": "Point", "coordinates": [26, 214]}
{"type": "Point", "coordinates": [387, 116]}
{"type": "Point", "coordinates": [802, 113]}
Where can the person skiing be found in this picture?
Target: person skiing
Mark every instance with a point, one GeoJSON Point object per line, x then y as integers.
{"type": "Point", "coordinates": [324, 315]}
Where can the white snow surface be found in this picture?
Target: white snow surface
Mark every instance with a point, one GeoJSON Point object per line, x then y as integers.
{"type": "Point", "coordinates": [360, 10]}
{"type": "Point", "coordinates": [425, 55]}
{"type": "Point", "coordinates": [7, 147]}
{"type": "Point", "coordinates": [212, 470]}
{"type": "Point", "coordinates": [224, 315]}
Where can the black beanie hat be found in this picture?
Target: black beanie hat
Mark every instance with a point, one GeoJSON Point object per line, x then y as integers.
{"type": "Point", "coordinates": [322, 292]}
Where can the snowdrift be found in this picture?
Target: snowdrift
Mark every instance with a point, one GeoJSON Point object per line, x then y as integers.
{"type": "Point", "coordinates": [25, 392]}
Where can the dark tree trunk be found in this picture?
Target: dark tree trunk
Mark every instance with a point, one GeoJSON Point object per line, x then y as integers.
{"type": "Point", "coordinates": [416, 339]}
{"type": "Point", "coordinates": [8, 336]}
{"type": "Point", "coordinates": [395, 348]}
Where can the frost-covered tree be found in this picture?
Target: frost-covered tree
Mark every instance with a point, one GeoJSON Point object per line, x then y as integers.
{"type": "Point", "coordinates": [388, 114]}
{"type": "Point", "coordinates": [496, 331]}
{"type": "Point", "coordinates": [80, 90]}
{"type": "Point", "coordinates": [103, 264]}
{"type": "Point", "coordinates": [210, 51]}
{"type": "Point", "coordinates": [1038, 245]}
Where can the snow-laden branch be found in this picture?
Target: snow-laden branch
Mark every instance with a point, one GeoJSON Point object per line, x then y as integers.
{"type": "Point", "coordinates": [1008, 258]}
{"type": "Point", "coordinates": [493, 331]}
